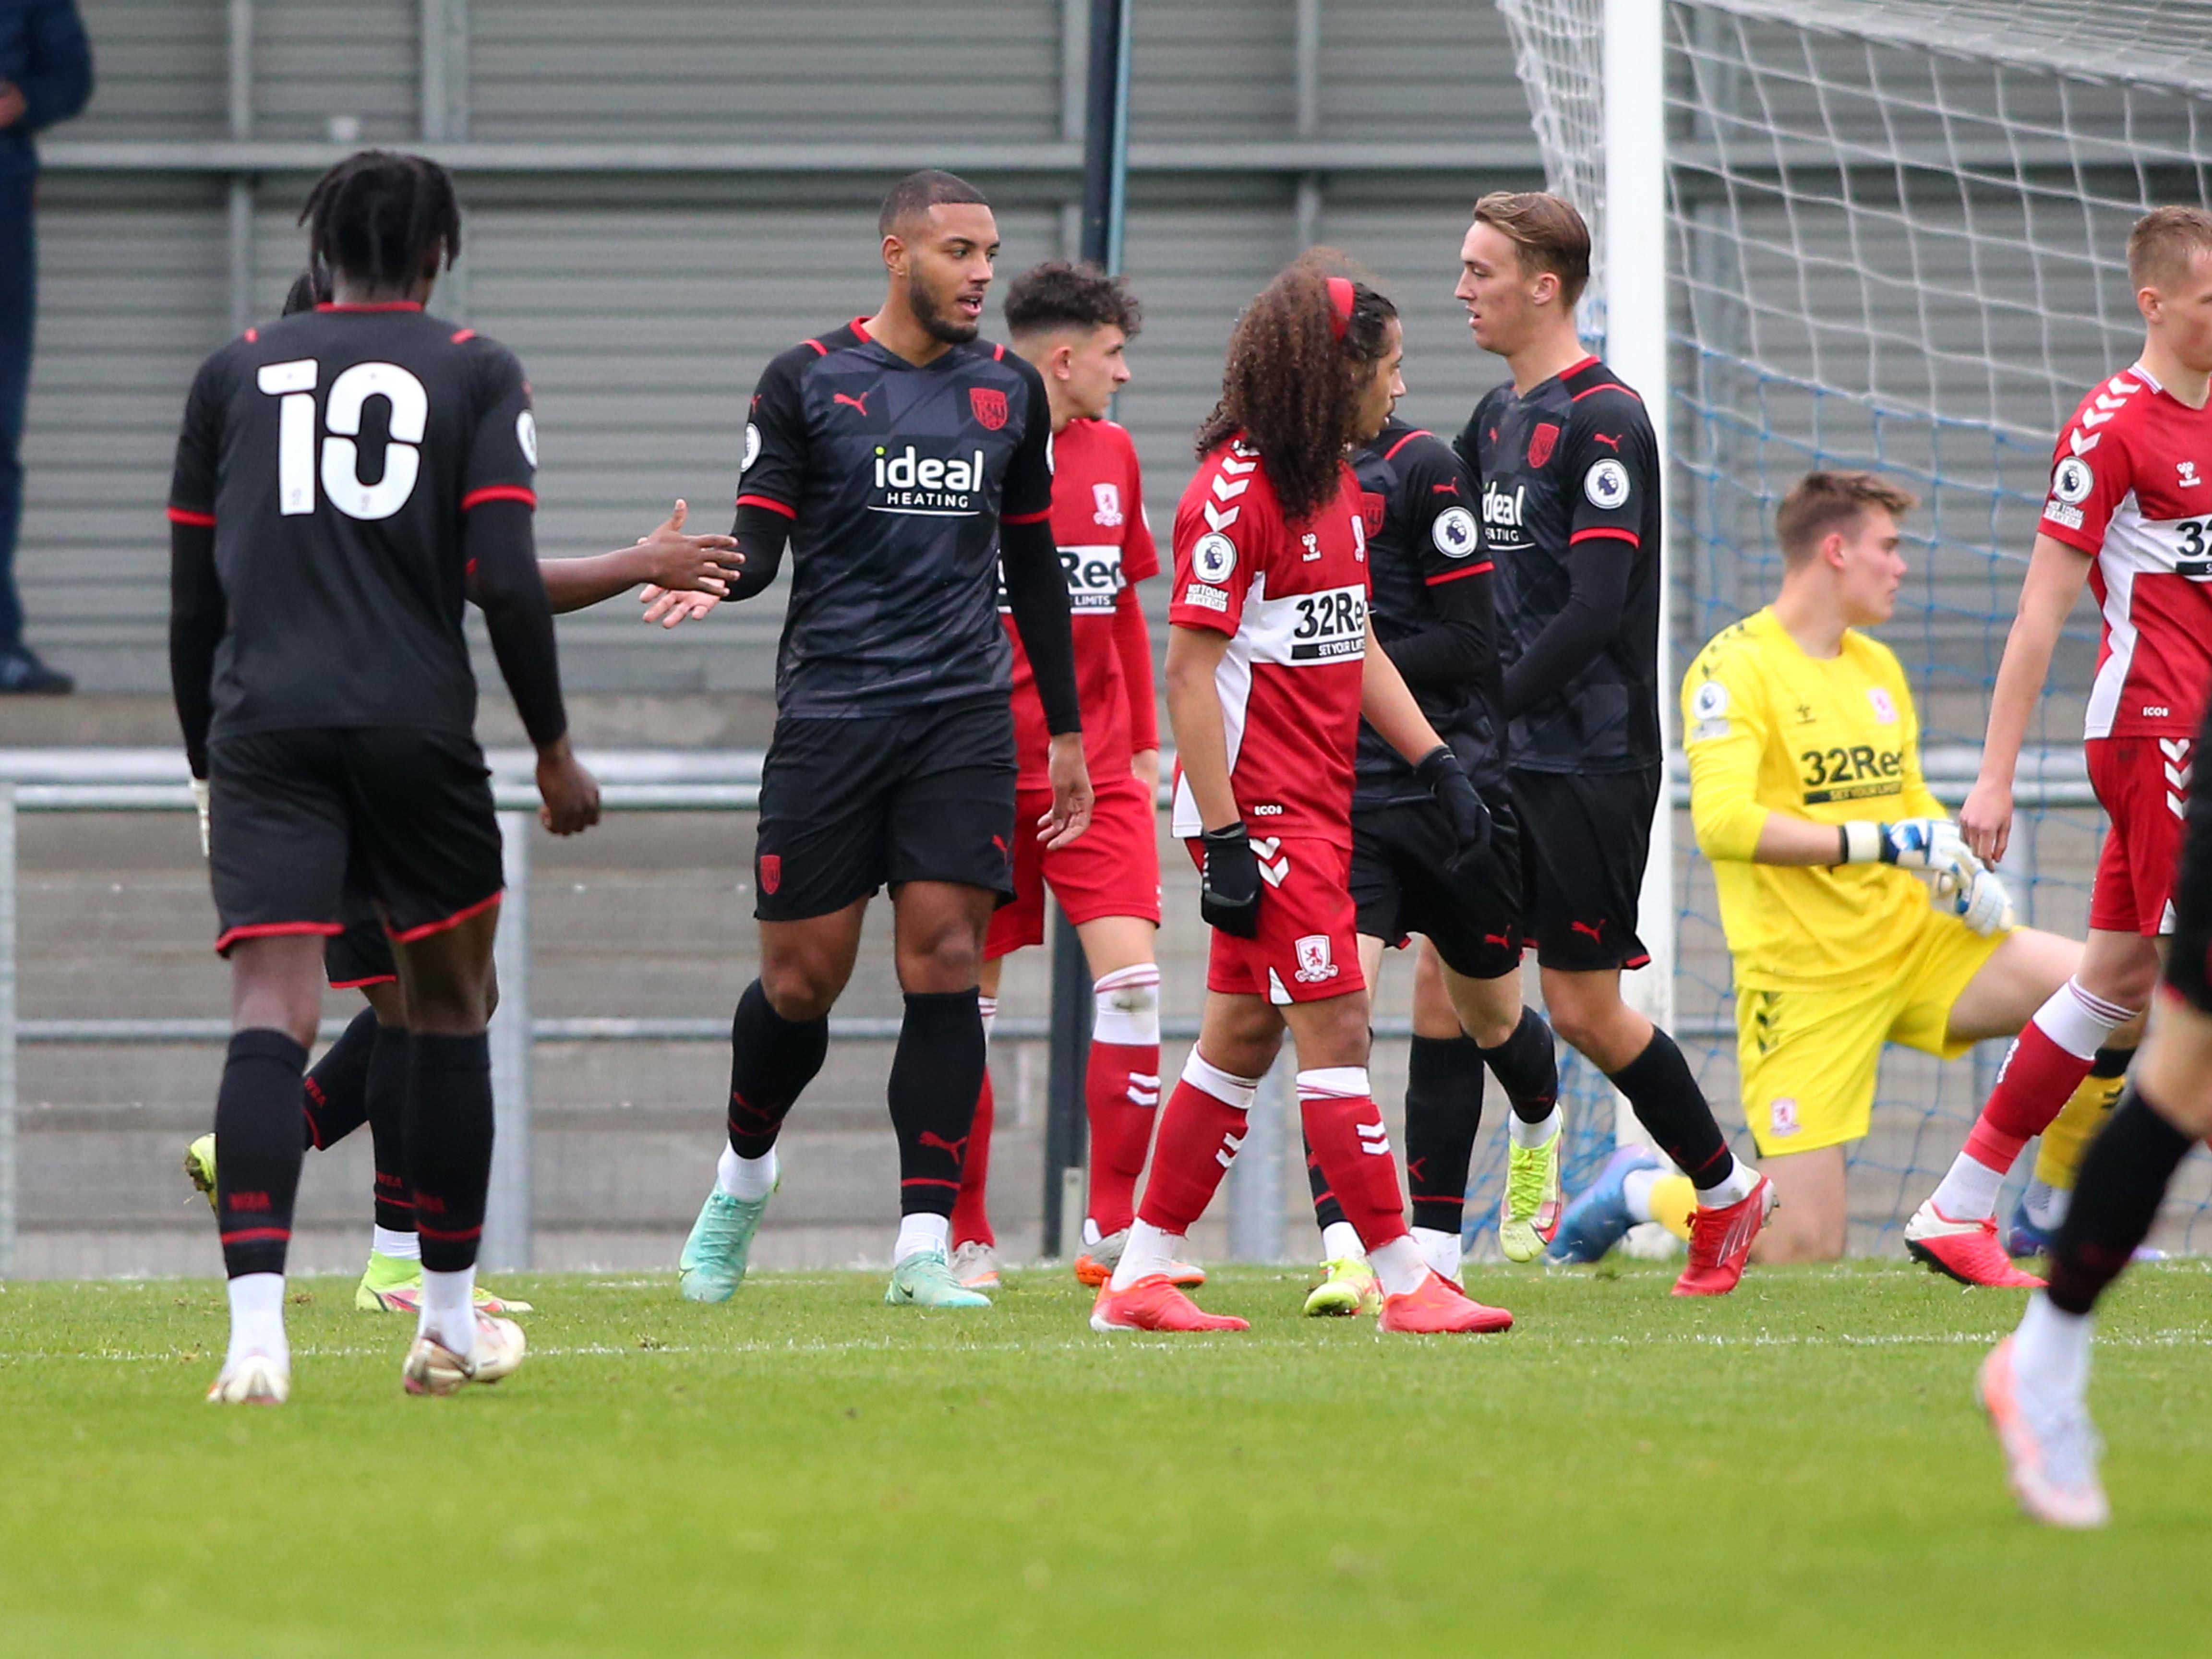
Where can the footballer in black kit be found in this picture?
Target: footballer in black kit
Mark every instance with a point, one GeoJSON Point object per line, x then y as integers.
{"type": "Point", "coordinates": [361, 1076]}
{"type": "Point", "coordinates": [1568, 474]}
{"type": "Point", "coordinates": [1430, 605]}
{"type": "Point", "coordinates": [893, 758]}
{"type": "Point", "coordinates": [345, 479]}
{"type": "Point", "coordinates": [1567, 464]}
{"type": "Point", "coordinates": [906, 463]}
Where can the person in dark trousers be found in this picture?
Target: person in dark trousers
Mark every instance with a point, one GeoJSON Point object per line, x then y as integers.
{"type": "Point", "coordinates": [45, 75]}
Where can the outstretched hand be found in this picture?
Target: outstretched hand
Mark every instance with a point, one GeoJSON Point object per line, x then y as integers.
{"type": "Point", "coordinates": [668, 608]}
{"type": "Point", "coordinates": [676, 562]}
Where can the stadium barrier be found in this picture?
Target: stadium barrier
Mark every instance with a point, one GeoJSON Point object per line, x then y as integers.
{"type": "Point", "coordinates": [82, 781]}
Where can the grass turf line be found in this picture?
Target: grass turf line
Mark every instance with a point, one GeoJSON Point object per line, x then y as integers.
{"type": "Point", "coordinates": [1798, 1466]}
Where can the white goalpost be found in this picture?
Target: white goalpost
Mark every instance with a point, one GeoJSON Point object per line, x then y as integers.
{"type": "Point", "coordinates": [1882, 233]}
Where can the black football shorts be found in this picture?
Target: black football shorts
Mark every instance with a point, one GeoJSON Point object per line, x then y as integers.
{"type": "Point", "coordinates": [1400, 885]}
{"type": "Point", "coordinates": [1585, 838]}
{"type": "Point", "coordinates": [361, 954]}
{"type": "Point", "coordinates": [850, 806]}
{"type": "Point", "coordinates": [300, 819]}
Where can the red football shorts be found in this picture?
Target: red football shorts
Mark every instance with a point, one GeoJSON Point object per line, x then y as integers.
{"type": "Point", "coordinates": [2142, 784]}
{"type": "Point", "coordinates": [1111, 869]}
{"type": "Point", "coordinates": [1309, 945]}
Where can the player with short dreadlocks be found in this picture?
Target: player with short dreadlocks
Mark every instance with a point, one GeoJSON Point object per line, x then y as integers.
{"type": "Point", "coordinates": [1271, 664]}
{"type": "Point", "coordinates": [360, 1078]}
{"type": "Point", "coordinates": [345, 480]}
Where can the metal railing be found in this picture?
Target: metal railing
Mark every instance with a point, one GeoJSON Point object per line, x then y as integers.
{"type": "Point", "coordinates": [636, 781]}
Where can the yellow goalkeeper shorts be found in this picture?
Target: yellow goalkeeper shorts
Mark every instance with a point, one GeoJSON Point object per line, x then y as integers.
{"type": "Point", "coordinates": [1808, 1057]}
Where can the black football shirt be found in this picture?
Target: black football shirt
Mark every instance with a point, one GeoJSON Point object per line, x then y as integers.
{"type": "Point", "coordinates": [895, 477]}
{"type": "Point", "coordinates": [1420, 510]}
{"type": "Point", "coordinates": [1574, 461]}
{"type": "Point", "coordinates": [335, 452]}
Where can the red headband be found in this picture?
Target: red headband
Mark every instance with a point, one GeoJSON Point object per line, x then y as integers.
{"type": "Point", "coordinates": [1340, 301]}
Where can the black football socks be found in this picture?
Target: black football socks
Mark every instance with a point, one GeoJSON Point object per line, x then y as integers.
{"type": "Point", "coordinates": [772, 1058]}
{"type": "Point", "coordinates": [2123, 1181]}
{"type": "Point", "coordinates": [935, 1077]}
{"type": "Point", "coordinates": [1443, 1113]}
{"type": "Point", "coordinates": [387, 1127]}
{"type": "Point", "coordinates": [335, 1093]}
{"type": "Point", "coordinates": [257, 1127]}
{"type": "Point", "coordinates": [1526, 1067]}
{"type": "Point", "coordinates": [1668, 1102]}
{"type": "Point", "coordinates": [448, 1132]}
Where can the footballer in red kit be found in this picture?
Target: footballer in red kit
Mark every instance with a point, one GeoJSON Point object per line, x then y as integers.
{"type": "Point", "coordinates": [1072, 324]}
{"type": "Point", "coordinates": [2129, 512]}
{"type": "Point", "coordinates": [1271, 664]}
{"type": "Point", "coordinates": [2125, 491]}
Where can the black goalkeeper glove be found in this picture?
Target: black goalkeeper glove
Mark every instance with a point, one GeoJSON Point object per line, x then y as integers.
{"type": "Point", "coordinates": [1229, 882]}
{"type": "Point", "coordinates": [1441, 774]}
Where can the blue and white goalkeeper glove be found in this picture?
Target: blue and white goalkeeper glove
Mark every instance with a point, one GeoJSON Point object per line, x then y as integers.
{"type": "Point", "coordinates": [1977, 898]}
{"type": "Point", "coordinates": [1911, 844]}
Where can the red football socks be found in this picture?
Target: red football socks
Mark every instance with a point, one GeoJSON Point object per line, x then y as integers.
{"type": "Point", "coordinates": [1200, 1129]}
{"type": "Point", "coordinates": [1343, 1126]}
{"type": "Point", "coordinates": [971, 1217]}
{"type": "Point", "coordinates": [1122, 1089]}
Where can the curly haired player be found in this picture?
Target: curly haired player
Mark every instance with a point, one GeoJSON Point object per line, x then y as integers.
{"type": "Point", "coordinates": [1271, 664]}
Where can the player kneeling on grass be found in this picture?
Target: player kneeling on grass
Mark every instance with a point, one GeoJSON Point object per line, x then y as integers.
{"type": "Point", "coordinates": [361, 1077]}
{"type": "Point", "coordinates": [1805, 789]}
{"type": "Point", "coordinates": [323, 682]}
{"type": "Point", "coordinates": [1271, 664]}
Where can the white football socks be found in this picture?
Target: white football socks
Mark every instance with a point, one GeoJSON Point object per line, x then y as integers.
{"type": "Point", "coordinates": [1636, 1191]}
{"type": "Point", "coordinates": [1340, 1242]}
{"type": "Point", "coordinates": [1149, 1251]}
{"type": "Point", "coordinates": [1440, 1249]}
{"type": "Point", "coordinates": [1733, 1188]}
{"type": "Point", "coordinates": [750, 1179]}
{"type": "Point", "coordinates": [257, 1318]}
{"type": "Point", "coordinates": [402, 1247]}
{"type": "Point", "coordinates": [2050, 1358]}
{"type": "Point", "coordinates": [2046, 1204]}
{"type": "Point", "coordinates": [448, 1317]}
{"type": "Point", "coordinates": [1526, 1135]}
{"type": "Point", "coordinates": [1400, 1265]}
{"type": "Point", "coordinates": [919, 1235]}
{"type": "Point", "coordinates": [1968, 1191]}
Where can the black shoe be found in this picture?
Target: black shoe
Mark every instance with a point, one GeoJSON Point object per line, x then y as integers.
{"type": "Point", "coordinates": [22, 672]}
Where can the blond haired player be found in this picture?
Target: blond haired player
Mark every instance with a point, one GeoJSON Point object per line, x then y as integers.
{"type": "Point", "coordinates": [2129, 513]}
{"type": "Point", "coordinates": [1806, 789]}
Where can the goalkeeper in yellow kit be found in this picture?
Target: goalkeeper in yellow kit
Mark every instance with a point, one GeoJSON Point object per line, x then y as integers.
{"type": "Point", "coordinates": [1807, 793]}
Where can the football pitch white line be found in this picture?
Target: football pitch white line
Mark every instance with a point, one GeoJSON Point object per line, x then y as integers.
{"type": "Point", "coordinates": [2179, 1337]}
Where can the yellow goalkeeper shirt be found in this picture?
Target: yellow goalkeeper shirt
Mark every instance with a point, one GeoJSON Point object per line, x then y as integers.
{"type": "Point", "coordinates": [1770, 729]}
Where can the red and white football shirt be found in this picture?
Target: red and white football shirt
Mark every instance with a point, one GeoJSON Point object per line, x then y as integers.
{"type": "Point", "coordinates": [1106, 548]}
{"type": "Point", "coordinates": [2131, 486]}
{"type": "Point", "coordinates": [1293, 600]}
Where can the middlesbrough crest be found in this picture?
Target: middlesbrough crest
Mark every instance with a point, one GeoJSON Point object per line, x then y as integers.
{"type": "Point", "coordinates": [1314, 964]}
{"type": "Point", "coordinates": [990, 406]}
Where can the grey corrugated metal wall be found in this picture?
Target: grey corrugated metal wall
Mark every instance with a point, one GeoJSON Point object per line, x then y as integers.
{"type": "Point", "coordinates": [660, 196]}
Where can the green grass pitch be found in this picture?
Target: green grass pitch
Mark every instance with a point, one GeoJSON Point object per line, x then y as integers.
{"type": "Point", "coordinates": [1796, 1469]}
